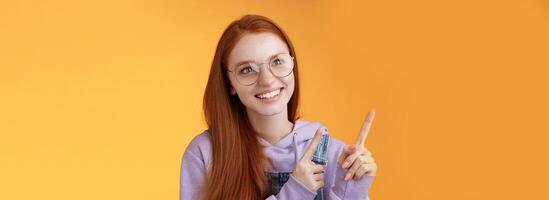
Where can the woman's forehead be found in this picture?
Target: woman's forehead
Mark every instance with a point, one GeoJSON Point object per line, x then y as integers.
{"type": "Point", "coordinates": [258, 47]}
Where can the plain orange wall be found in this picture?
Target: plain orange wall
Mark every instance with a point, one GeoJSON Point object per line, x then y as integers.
{"type": "Point", "coordinates": [98, 99]}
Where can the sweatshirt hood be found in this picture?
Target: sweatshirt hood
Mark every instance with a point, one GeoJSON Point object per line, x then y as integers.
{"type": "Point", "coordinates": [283, 155]}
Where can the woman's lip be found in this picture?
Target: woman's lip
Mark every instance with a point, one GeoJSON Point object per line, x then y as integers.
{"type": "Point", "coordinates": [273, 99]}
{"type": "Point", "coordinates": [269, 90]}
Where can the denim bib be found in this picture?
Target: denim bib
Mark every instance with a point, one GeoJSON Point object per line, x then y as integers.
{"type": "Point", "coordinates": [275, 180]}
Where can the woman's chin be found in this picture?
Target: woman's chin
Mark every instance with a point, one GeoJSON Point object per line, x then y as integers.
{"type": "Point", "coordinates": [269, 111]}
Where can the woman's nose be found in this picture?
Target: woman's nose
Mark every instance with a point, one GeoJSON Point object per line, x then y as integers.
{"type": "Point", "coordinates": [266, 78]}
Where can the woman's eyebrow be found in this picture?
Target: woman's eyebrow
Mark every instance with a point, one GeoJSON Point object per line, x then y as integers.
{"type": "Point", "coordinates": [248, 61]}
{"type": "Point", "coordinates": [243, 62]}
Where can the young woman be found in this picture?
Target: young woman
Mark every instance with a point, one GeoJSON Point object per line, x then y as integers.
{"type": "Point", "coordinates": [255, 146]}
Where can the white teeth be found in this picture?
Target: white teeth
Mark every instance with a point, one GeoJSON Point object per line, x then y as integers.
{"type": "Point", "coordinates": [269, 95]}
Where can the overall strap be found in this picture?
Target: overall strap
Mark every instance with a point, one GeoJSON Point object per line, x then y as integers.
{"type": "Point", "coordinates": [321, 153]}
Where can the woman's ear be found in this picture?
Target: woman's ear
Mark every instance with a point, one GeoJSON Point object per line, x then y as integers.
{"type": "Point", "coordinates": [233, 92]}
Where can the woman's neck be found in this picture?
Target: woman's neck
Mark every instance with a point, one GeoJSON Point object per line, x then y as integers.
{"type": "Point", "coordinates": [271, 128]}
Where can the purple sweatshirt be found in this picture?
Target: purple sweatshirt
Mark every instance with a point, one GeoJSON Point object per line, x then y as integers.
{"type": "Point", "coordinates": [282, 157]}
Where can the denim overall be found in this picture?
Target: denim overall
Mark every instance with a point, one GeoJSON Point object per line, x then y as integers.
{"type": "Point", "coordinates": [275, 180]}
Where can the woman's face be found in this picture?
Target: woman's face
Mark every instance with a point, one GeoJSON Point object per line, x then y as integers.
{"type": "Point", "coordinates": [269, 95]}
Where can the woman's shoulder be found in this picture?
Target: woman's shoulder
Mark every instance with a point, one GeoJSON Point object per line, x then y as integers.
{"type": "Point", "coordinates": [200, 145]}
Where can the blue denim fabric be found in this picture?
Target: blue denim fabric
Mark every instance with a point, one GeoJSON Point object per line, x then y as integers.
{"type": "Point", "coordinates": [321, 153]}
{"type": "Point", "coordinates": [275, 180]}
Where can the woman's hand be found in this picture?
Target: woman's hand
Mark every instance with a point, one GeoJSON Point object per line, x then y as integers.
{"type": "Point", "coordinates": [306, 171]}
{"type": "Point", "coordinates": [357, 159]}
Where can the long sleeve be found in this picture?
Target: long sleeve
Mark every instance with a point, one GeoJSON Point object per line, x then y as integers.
{"type": "Point", "coordinates": [340, 189]}
{"type": "Point", "coordinates": [193, 177]}
{"type": "Point", "coordinates": [352, 189]}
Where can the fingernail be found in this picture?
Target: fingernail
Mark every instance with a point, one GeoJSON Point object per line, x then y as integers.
{"type": "Point", "coordinates": [345, 164]}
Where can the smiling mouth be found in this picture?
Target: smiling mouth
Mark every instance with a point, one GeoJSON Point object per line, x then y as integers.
{"type": "Point", "coordinates": [269, 95]}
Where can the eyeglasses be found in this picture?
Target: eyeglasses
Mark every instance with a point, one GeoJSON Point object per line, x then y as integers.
{"type": "Point", "coordinates": [280, 65]}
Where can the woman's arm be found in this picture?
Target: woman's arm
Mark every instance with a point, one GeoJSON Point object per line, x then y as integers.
{"type": "Point", "coordinates": [193, 176]}
{"type": "Point", "coordinates": [351, 189]}
{"type": "Point", "coordinates": [354, 161]}
{"type": "Point", "coordinates": [339, 188]}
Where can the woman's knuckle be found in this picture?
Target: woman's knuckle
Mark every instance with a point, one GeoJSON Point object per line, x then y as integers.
{"type": "Point", "coordinates": [349, 159]}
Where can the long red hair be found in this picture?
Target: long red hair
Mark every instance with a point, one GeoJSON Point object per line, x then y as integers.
{"type": "Point", "coordinates": [236, 170]}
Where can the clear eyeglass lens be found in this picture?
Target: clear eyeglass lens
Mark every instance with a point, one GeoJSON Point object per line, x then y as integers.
{"type": "Point", "coordinates": [280, 65]}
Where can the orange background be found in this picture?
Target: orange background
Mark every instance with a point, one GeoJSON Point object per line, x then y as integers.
{"type": "Point", "coordinates": [98, 99]}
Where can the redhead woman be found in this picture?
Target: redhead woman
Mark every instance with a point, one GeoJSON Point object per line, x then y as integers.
{"type": "Point", "coordinates": [256, 147]}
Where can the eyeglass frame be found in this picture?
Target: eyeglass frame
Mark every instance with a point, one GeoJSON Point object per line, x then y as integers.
{"type": "Point", "coordinates": [268, 67]}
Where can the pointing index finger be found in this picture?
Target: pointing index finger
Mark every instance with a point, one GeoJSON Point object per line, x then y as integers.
{"type": "Point", "coordinates": [366, 127]}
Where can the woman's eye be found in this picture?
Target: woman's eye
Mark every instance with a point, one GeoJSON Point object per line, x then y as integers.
{"type": "Point", "coordinates": [246, 70]}
{"type": "Point", "coordinates": [278, 61]}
